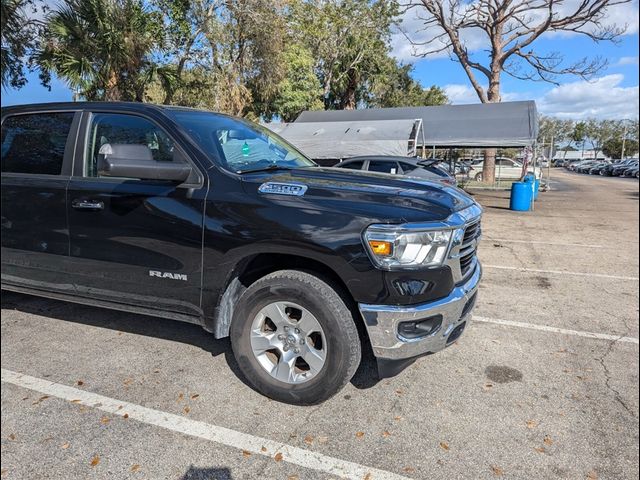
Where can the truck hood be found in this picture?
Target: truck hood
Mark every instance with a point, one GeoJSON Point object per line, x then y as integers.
{"type": "Point", "coordinates": [385, 197]}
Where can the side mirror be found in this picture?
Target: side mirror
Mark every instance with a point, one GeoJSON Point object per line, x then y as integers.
{"type": "Point", "coordinates": [136, 161]}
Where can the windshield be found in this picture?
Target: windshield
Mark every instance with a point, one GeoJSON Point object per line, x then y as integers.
{"type": "Point", "coordinates": [240, 145]}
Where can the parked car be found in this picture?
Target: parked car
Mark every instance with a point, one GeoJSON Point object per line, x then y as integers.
{"type": "Point", "coordinates": [213, 220]}
{"type": "Point", "coordinates": [406, 166]}
{"type": "Point", "coordinates": [630, 170]}
{"type": "Point", "coordinates": [598, 168]}
{"type": "Point", "coordinates": [506, 169]}
{"type": "Point", "coordinates": [620, 167]}
{"type": "Point", "coordinates": [584, 167]}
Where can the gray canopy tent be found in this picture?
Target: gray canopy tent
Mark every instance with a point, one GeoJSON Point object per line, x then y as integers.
{"type": "Point", "coordinates": [499, 125]}
{"type": "Point", "coordinates": [336, 140]}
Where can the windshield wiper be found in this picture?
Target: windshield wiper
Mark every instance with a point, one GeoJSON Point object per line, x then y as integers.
{"type": "Point", "coordinates": [268, 168]}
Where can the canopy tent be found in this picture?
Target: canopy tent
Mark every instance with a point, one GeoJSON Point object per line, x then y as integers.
{"type": "Point", "coordinates": [507, 124]}
{"type": "Point", "coordinates": [336, 140]}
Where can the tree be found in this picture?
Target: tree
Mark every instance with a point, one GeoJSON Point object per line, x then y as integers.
{"type": "Point", "coordinates": [511, 29]}
{"type": "Point", "coordinates": [579, 134]}
{"type": "Point", "coordinates": [300, 89]}
{"type": "Point", "coordinates": [599, 131]}
{"type": "Point", "coordinates": [102, 48]}
{"type": "Point", "coordinates": [554, 130]}
{"type": "Point", "coordinates": [613, 147]}
{"type": "Point", "coordinates": [18, 34]}
{"type": "Point", "coordinates": [396, 88]}
{"type": "Point", "coordinates": [349, 40]}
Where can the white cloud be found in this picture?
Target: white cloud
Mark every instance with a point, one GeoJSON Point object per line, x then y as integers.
{"type": "Point", "coordinates": [412, 24]}
{"type": "Point", "coordinates": [624, 61]}
{"type": "Point", "coordinates": [601, 98]}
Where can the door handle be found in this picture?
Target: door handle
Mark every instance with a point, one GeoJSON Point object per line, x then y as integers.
{"type": "Point", "coordinates": [87, 205]}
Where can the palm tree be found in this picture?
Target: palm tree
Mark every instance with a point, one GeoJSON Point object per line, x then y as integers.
{"type": "Point", "coordinates": [103, 49]}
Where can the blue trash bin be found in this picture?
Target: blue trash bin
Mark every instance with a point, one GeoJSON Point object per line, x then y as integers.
{"type": "Point", "coordinates": [534, 183]}
{"type": "Point", "coordinates": [521, 194]}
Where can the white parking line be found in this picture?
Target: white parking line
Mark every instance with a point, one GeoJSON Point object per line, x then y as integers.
{"type": "Point", "coordinates": [560, 272]}
{"type": "Point", "coordinates": [564, 331]}
{"type": "Point", "coordinates": [213, 433]}
{"type": "Point", "coordinates": [559, 244]}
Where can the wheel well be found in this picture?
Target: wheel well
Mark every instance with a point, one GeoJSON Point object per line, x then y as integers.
{"type": "Point", "coordinates": [264, 264]}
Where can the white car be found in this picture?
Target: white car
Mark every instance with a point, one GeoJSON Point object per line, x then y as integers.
{"type": "Point", "coordinates": [506, 169]}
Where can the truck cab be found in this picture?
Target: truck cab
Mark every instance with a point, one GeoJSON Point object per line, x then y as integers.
{"type": "Point", "coordinates": [213, 220]}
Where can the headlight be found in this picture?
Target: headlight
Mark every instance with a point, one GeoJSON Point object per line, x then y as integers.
{"type": "Point", "coordinates": [396, 247]}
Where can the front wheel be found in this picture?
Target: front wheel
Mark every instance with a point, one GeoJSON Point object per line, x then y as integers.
{"type": "Point", "coordinates": [478, 177]}
{"type": "Point", "coordinates": [294, 338]}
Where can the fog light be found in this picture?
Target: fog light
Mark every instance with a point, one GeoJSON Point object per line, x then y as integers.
{"type": "Point", "coordinates": [419, 328]}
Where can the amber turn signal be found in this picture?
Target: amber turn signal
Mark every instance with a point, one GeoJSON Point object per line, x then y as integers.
{"type": "Point", "coordinates": [383, 249]}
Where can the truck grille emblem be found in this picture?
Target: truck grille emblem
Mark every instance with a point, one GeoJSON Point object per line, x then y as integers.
{"type": "Point", "coordinates": [292, 189]}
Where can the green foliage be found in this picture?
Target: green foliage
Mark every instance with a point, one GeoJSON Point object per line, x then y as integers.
{"type": "Point", "coordinates": [613, 147]}
{"type": "Point", "coordinates": [396, 88]}
{"type": "Point", "coordinates": [300, 89]}
{"type": "Point", "coordinates": [103, 48]}
{"type": "Point", "coordinates": [18, 33]}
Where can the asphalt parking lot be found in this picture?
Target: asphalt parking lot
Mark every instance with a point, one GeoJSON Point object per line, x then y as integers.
{"type": "Point", "coordinates": [544, 383]}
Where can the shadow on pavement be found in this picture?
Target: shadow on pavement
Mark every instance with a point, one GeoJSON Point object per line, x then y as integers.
{"type": "Point", "coordinates": [365, 377]}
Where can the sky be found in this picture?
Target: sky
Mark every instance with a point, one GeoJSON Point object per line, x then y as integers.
{"type": "Point", "coordinates": [612, 93]}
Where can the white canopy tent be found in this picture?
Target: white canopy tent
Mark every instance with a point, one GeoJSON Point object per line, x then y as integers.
{"type": "Point", "coordinates": [339, 140]}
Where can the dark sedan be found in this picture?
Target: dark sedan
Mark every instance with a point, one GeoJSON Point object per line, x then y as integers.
{"type": "Point", "coordinates": [396, 165]}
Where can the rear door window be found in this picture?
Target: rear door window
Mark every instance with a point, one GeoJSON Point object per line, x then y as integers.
{"type": "Point", "coordinates": [383, 167]}
{"type": "Point", "coordinates": [35, 143]}
{"type": "Point", "coordinates": [353, 165]}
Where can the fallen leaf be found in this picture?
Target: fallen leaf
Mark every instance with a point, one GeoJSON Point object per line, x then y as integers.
{"type": "Point", "coordinates": [308, 439]}
{"type": "Point", "coordinates": [539, 449]}
{"type": "Point", "coordinates": [408, 470]}
{"type": "Point", "coordinates": [76, 400]}
{"type": "Point", "coordinates": [180, 397]}
{"type": "Point", "coordinates": [125, 416]}
{"type": "Point", "coordinates": [156, 371]}
{"type": "Point", "coordinates": [186, 410]}
{"type": "Point", "coordinates": [293, 477]}
{"type": "Point", "coordinates": [367, 476]}
{"type": "Point", "coordinates": [194, 396]}
{"type": "Point", "coordinates": [497, 471]}
{"type": "Point", "coordinates": [398, 418]}
{"type": "Point", "coordinates": [386, 434]}
{"type": "Point", "coordinates": [128, 381]}
{"type": "Point", "coordinates": [105, 420]}
{"type": "Point", "coordinates": [135, 468]}
{"type": "Point", "coordinates": [263, 449]}
{"type": "Point", "coordinates": [592, 475]}
{"type": "Point", "coordinates": [488, 386]}
{"type": "Point", "coordinates": [444, 446]}
{"type": "Point", "coordinates": [79, 383]}
{"type": "Point", "coordinates": [547, 440]}
{"type": "Point", "coordinates": [65, 445]}
{"type": "Point", "coordinates": [531, 424]}
{"type": "Point", "coordinates": [246, 453]}
{"type": "Point", "coordinates": [399, 392]}
{"type": "Point", "coordinates": [278, 457]}
{"type": "Point", "coordinates": [44, 397]}
{"type": "Point", "coordinates": [359, 434]}
{"type": "Point", "coordinates": [82, 409]}
{"type": "Point", "coordinates": [95, 461]}
{"type": "Point", "coordinates": [323, 439]}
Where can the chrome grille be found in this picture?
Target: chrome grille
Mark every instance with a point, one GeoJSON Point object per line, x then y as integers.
{"type": "Point", "coordinates": [469, 247]}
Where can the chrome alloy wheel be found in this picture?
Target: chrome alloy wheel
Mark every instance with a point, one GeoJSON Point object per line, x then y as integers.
{"type": "Point", "coordinates": [288, 341]}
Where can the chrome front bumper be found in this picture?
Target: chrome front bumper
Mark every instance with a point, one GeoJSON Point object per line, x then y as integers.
{"type": "Point", "coordinates": [382, 322]}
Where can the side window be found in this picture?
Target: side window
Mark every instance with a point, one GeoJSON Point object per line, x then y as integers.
{"type": "Point", "coordinates": [407, 167]}
{"type": "Point", "coordinates": [383, 167]}
{"type": "Point", "coordinates": [110, 131]}
{"type": "Point", "coordinates": [35, 143]}
{"type": "Point", "coordinates": [353, 165]}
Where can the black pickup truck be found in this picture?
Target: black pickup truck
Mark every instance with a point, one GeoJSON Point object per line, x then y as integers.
{"type": "Point", "coordinates": [213, 220]}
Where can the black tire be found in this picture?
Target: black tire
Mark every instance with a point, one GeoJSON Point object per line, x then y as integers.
{"type": "Point", "coordinates": [478, 177]}
{"type": "Point", "coordinates": [343, 349]}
